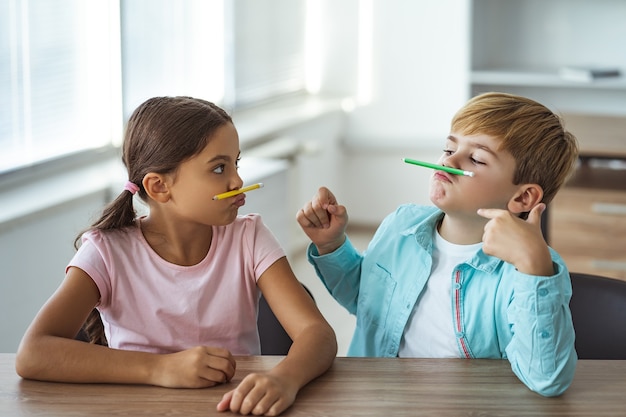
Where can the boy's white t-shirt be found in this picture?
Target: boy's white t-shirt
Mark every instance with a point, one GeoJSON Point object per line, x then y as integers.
{"type": "Point", "coordinates": [429, 332]}
{"type": "Point", "coordinates": [149, 304]}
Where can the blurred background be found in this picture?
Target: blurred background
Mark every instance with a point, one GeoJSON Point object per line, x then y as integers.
{"type": "Point", "coordinates": [322, 92]}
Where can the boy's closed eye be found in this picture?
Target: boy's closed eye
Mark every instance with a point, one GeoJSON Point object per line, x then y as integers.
{"type": "Point", "coordinates": [473, 159]}
{"type": "Point", "coordinates": [476, 161]}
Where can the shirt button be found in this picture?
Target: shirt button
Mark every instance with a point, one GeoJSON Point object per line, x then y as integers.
{"type": "Point", "coordinates": [543, 292]}
{"type": "Point", "coordinates": [457, 286]}
{"type": "Point", "coordinates": [545, 334]}
{"type": "Point", "coordinates": [459, 334]}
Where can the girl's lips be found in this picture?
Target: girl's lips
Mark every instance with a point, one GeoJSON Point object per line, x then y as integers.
{"type": "Point", "coordinates": [240, 200]}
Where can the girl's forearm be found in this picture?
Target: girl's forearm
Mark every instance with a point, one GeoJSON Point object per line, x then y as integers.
{"type": "Point", "coordinates": [65, 360]}
{"type": "Point", "coordinates": [311, 354]}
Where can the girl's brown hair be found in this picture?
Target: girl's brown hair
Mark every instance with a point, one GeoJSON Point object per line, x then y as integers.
{"type": "Point", "coordinates": [161, 133]}
{"type": "Point", "coordinates": [545, 153]}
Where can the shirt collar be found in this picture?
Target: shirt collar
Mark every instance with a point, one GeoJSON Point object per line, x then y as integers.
{"type": "Point", "coordinates": [423, 232]}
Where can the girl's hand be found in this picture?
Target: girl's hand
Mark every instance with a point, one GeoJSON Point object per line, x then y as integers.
{"type": "Point", "coordinates": [324, 221]}
{"type": "Point", "coordinates": [517, 241]}
{"type": "Point", "coordinates": [198, 367]}
{"type": "Point", "coordinates": [259, 394]}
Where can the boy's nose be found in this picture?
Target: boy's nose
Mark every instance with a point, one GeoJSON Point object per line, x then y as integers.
{"type": "Point", "coordinates": [448, 161]}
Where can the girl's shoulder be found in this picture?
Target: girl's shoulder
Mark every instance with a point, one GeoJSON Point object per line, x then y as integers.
{"type": "Point", "coordinates": [248, 219]}
{"type": "Point", "coordinates": [245, 223]}
{"type": "Point", "coordinates": [109, 237]}
{"type": "Point", "coordinates": [244, 227]}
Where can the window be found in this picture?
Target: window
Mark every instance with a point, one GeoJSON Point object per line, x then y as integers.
{"type": "Point", "coordinates": [172, 47]}
{"type": "Point", "coordinates": [71, 71]}
{"type": "Point", "coordinates": [59, 77]}
{"type": "Point", "coordinates": [232, 52]}
{"type": "Point", "coordinates": [266, 57]}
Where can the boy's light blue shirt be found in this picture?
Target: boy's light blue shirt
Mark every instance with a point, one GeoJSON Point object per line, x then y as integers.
{"type": "Point", "coordinates": [498, 312]}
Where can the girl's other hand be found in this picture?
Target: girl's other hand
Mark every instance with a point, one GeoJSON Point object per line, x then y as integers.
{"type": "Point", "coordinates": [259, 394]}
{"type": "Point", "coordinates": [198, 367]}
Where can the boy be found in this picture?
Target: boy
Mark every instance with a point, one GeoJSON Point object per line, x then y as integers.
{"type": "Point", "coordinates": [471, 277]}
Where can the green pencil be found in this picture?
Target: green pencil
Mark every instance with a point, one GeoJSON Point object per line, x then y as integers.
{"type": "Point", "coordinates": [439, 167]}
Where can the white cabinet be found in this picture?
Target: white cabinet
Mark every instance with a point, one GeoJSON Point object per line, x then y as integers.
{"type": "Point", "coordinates": [520, 47]}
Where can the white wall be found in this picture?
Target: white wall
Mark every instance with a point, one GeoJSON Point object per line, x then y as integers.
{"type": "Point", "coordinates": [420, 63]}
{"type": "Point", "coordinates": [376, 182]}
{"type": "Point", "coordinates": [419, 78]}
{"type": "Point", "coordinates": [34, 251]}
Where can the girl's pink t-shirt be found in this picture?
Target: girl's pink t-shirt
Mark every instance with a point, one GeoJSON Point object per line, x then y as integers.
{"type": "Point", "coordinates": [151, 305]}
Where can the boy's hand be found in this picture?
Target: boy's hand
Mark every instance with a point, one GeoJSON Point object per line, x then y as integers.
{"type": "Point", "coordinates": [324, 221]}
{"type": "Point", "coordinates": [517, 241]}
{"type": "Point", "coordinates": [198, 367]}
{"type": "Point", "coordinates": [259, 394]}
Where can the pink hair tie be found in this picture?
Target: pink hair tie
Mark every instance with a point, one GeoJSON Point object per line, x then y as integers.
{"type": "Point", "coordinates": [131, 186]}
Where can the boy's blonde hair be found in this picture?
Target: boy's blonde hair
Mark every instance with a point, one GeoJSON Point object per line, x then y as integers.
{"type": "Point", "coordinates": [544, 152]}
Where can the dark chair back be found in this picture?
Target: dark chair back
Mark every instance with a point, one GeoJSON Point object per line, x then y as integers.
{"type": "Point", "coordinates": [598, 308]}
{"type": "Point", "coordinates": [274, 339]}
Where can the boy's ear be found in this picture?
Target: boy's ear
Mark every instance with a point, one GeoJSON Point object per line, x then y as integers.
{"type": "Point", "coordinates": [526, 197]}
{"type": "Point", "coordinates": [156, 187]}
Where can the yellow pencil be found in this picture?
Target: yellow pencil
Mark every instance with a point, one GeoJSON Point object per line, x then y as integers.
{"type": "Point", "coordinates": [239, 191]}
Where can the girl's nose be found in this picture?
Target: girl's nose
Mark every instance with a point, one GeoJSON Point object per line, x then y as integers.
{"type": "Point", "coordinates": [236, 181]}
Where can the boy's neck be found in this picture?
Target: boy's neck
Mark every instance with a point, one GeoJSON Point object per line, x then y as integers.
{"type": "Point", "coordinates": [461, 230]}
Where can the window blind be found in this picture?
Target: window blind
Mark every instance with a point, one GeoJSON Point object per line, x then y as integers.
{"type": "Point", "coordinates": [265, 49]}
{"type": "Point", "coordinates": [50, 51]}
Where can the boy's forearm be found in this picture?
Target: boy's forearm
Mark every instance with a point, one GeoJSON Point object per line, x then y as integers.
{"type": "Point", "coordinates": [542, 348]}
{"type": "Point", "coordinates": [330, 247]}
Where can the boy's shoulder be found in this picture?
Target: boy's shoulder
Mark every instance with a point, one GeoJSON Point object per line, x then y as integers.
{"type": "Point", "coordinates": [413, 211]}
{"type": "Point", "coordinates": [407, 215]}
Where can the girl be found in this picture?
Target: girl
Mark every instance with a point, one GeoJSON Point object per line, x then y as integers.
{"type": "Point", "coordinates": [178, 289]}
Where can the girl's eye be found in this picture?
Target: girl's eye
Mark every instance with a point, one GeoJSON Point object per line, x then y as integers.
{"type": "Point", "coordinates": [237, 162]}
{"type": "Point", "coordinates": [219, 169]}
{"type": "Point", "coordinates": [474, 161]}
{"type": "Point", "coordinates": [448, 152]}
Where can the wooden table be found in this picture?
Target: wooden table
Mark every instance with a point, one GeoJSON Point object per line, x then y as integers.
{"type": "Point", "coordinates": [353, 387]}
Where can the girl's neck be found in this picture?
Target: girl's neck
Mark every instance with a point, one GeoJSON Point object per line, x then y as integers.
{"type": "Point", "coordinates": [175, 243]}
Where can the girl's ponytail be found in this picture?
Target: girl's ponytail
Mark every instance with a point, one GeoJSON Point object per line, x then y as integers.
{"type": "Point", "coordinates": [118, 214]}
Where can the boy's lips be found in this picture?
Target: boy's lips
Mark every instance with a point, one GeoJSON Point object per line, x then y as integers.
{"type": "Point", "coordinates": [442, 176]}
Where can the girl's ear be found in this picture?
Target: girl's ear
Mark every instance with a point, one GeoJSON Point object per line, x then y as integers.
{"type": "Point", "coordinates": [526, 197]}
{"type": "Point", "coordinates": [156, 187]}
